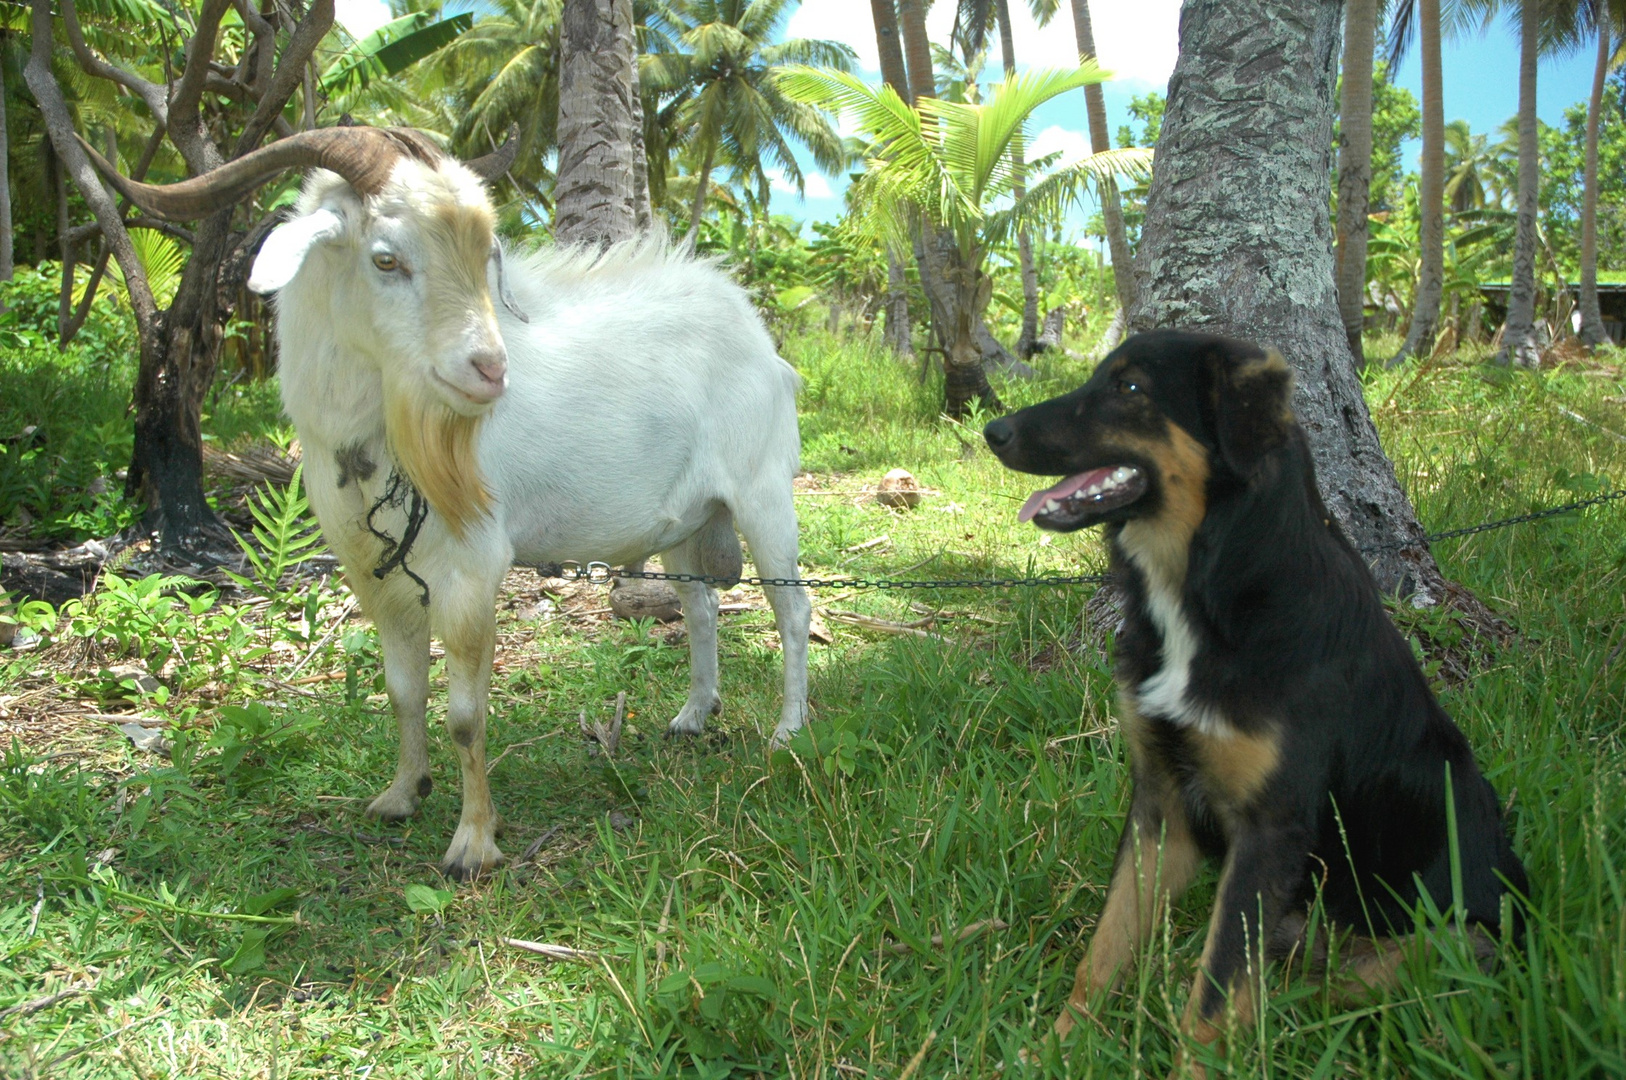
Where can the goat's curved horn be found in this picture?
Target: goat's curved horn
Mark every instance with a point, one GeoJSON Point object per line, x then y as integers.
{"type": "Point", "coordinates": [363, 156]}
{"type": "Point", "coordinates": [499, 161]}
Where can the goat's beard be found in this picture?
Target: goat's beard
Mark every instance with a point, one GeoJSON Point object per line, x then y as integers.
{"type": "Point", "coordinates": [434, 447]}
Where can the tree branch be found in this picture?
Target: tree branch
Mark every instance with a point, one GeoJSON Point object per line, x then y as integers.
{"type": "Point", "coordinates": [81, 233]}
{"type": "Point", "coordinates": [306, 36]}
{"type": "Point", "coordinates": [150, 93]}
{"type": "Point", "coordinates": [59, 126]}
{"type": "Point", "coordinates": [76, 321]}
{"type": "Point", "coordinates": [186, 128]}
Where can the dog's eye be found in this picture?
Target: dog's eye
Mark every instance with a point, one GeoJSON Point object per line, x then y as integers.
{"type": "Point", "coordinates": [1128, 386]}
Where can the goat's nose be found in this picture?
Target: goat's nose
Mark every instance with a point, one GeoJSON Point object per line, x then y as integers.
{"type": "Point", "coordinates": [999, 433]}
{"type": "Point", "coordinates": [492, 364]}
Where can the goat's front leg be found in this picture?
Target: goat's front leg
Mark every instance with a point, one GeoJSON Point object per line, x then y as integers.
{"type": "Point", "coordinates": [1262, 870]}
{"type": "Point", "coordinates": [470, 642]}
{"type": "Point", "coordinates": [404, 641]}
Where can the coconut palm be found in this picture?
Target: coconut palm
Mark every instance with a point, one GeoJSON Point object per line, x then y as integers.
{"type": "Point", "coordinates": [885, 15]}
{"type": "Point", "coordinates": [1608, 18]}
{"type": "Point", "coordinates": [1355, 169]}
{"type": "Point", "coordinates": [1425, 309]}
{"type": "Point", "coordinates": [947, 165]}
{"type": "Point", "coordinates": [1112, 214]}
{"type": "Point", "coordinates": [505, 71]}
{"type": "Point", "coordinates": [730, 104]}
{"type": "Point", "coordinates": [972, 21]}
{"type": "Point", "coordinates": [1544, 26]}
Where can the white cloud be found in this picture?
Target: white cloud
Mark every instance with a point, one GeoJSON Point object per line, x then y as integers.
{"type": "Point", "coordinates": [361, 17]}
{"type": "Point", "coordinates": [817, 186]}
{"type": "Point", "coordinates": [1074, 145]}
{"type": "Point", "coordinates": [1137, 41]}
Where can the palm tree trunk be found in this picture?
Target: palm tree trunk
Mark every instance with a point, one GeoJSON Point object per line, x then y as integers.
{"type": "Point", "coordinates": [951, 297]}
{"type": "Point", "coordinates": [1425, 309]}
{"type": "Point", "coordinates": [897, 77]}
{"type": "Point", "coordinates": [643, 212]}
{"type": "Point", "coordinates": [1592, 331]}
{"type": "Point", "coordinates": [1243, 249]}
{"type": "Point", "coordinates": [698, 208]}
{"type": "Point", "coordinates": [1519, 332]}
{"type": "Point", "coordinates": [1123, 268]}
{"type": "Point", "coordinates": [1355, 170]}
{"type": "Point", "coordinates": [916, 48]}
{"type": "Point", "coordinates": [594, 201]}
{"type": "Point", "coordinates": [1027, 340]}
{"type": "Point", "coordinates": [5, 198]}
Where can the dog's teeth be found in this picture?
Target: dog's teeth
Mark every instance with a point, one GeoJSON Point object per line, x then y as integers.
{"type": "Point", "coordinates": [1122, 473]}
{"type": "Point", "coordinates": [1051, 506]}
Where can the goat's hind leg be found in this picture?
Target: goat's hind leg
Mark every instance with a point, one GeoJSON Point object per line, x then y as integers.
{"type": "Point", "coordinates": [404, 641]}
{"type": "Point", "coordinates": [700, 620]}
{"type": "Point", "coordinates": [769, 524]}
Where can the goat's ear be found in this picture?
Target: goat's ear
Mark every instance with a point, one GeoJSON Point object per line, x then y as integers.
{"type": "Point", "coordinates": [284, 251]}
{"type": "Point", "coordinates": [1252, 395]}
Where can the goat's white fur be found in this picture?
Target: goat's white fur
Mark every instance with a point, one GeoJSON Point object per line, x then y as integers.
{"type": "Point", "coordinates": [643, 399]}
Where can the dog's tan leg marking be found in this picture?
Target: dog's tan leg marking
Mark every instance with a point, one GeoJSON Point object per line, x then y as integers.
{"type": "Point", "coordinates": [1148, 875]}
{"type": "Point", "coordinates": [1237, 765]}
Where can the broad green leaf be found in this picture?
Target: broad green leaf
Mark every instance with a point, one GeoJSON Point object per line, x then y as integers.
{"type": "Point", "coordinates": [392, 48]}
{"type": "Point", "coordinates": [423, 898]}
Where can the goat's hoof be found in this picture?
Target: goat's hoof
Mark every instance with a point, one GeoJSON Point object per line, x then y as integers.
{"type": "Point", "coordinates": [398, 802]}
{"type": "Point", "coordinates": [471, 855]}
{"type": "Point", "coordinates": [783, 734]}
{"type": "Point", "coordinates": [692, 720]}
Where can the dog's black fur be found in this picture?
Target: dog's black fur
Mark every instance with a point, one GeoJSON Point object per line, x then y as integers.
{"type": "Point", "coordinates": [1307, 750]}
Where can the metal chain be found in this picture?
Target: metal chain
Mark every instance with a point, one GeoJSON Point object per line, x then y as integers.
{"type": "Point", "coordinates": [600, 573]}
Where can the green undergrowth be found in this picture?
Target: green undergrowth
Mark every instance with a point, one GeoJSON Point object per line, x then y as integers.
{"type": "Point", "coordinates": [227, 911]}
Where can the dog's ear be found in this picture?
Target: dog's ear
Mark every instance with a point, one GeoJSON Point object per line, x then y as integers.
{"type": "Point", "coordinates": [1251, 393]}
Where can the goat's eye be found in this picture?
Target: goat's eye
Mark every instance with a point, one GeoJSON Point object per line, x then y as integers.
{"type": "Point", "coordinates": [386, 262]}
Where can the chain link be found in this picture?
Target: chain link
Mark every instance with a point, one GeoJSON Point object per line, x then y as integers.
{"type": "Point", "coordinates": [600, 572]}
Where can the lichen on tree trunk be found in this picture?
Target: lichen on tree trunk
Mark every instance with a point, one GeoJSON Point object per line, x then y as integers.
{"type": "Point", "coordinates": [1238, 241]}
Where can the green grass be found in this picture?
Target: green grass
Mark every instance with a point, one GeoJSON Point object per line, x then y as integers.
{"type": "Point", "coordinates": [745, 906]}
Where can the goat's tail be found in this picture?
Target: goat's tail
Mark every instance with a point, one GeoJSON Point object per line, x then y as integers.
{"type": "Point", "coordinates": [719, 549]}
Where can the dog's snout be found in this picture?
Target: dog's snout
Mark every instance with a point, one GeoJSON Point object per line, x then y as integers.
{"type": "Point", "coordinates": [999, 433]}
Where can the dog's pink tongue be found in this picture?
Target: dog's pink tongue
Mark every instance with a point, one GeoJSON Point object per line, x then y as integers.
{"type": "Point", "coordinates": [1060, 491]}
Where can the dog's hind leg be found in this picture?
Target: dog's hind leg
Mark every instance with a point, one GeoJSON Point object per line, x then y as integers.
{"type": "Point", "coordinates": [1157, 858]}
{"type": "Point", "coordinates": [1370, 966]}
{"type": "Point", "coordinates": [700, 619]}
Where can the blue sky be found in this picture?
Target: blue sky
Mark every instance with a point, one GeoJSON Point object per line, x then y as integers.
{"type": "Point", "coordinates": [1138, 40]}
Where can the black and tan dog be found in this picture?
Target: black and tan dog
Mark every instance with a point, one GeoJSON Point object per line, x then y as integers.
{"type": "Point", "coordinates": [1274, 717]}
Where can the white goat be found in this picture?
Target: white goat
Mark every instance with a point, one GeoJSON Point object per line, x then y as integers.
{"type": "Point", "coordinates": [637, 407]}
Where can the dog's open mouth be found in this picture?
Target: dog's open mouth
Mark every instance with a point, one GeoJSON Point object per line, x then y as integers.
{"type": "Point", "coordinates": [1072, 503]}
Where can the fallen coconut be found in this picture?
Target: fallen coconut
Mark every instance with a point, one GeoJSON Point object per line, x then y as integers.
{"type": "Point", "coordinates": [899, 490]}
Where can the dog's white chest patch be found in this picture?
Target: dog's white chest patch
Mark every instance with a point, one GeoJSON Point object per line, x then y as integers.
{"type": "Point", "coordinates": [1166, 693]}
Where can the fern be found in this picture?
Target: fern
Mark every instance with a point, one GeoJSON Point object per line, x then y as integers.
{"type": "Point", "coordinates": [283, 534]}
